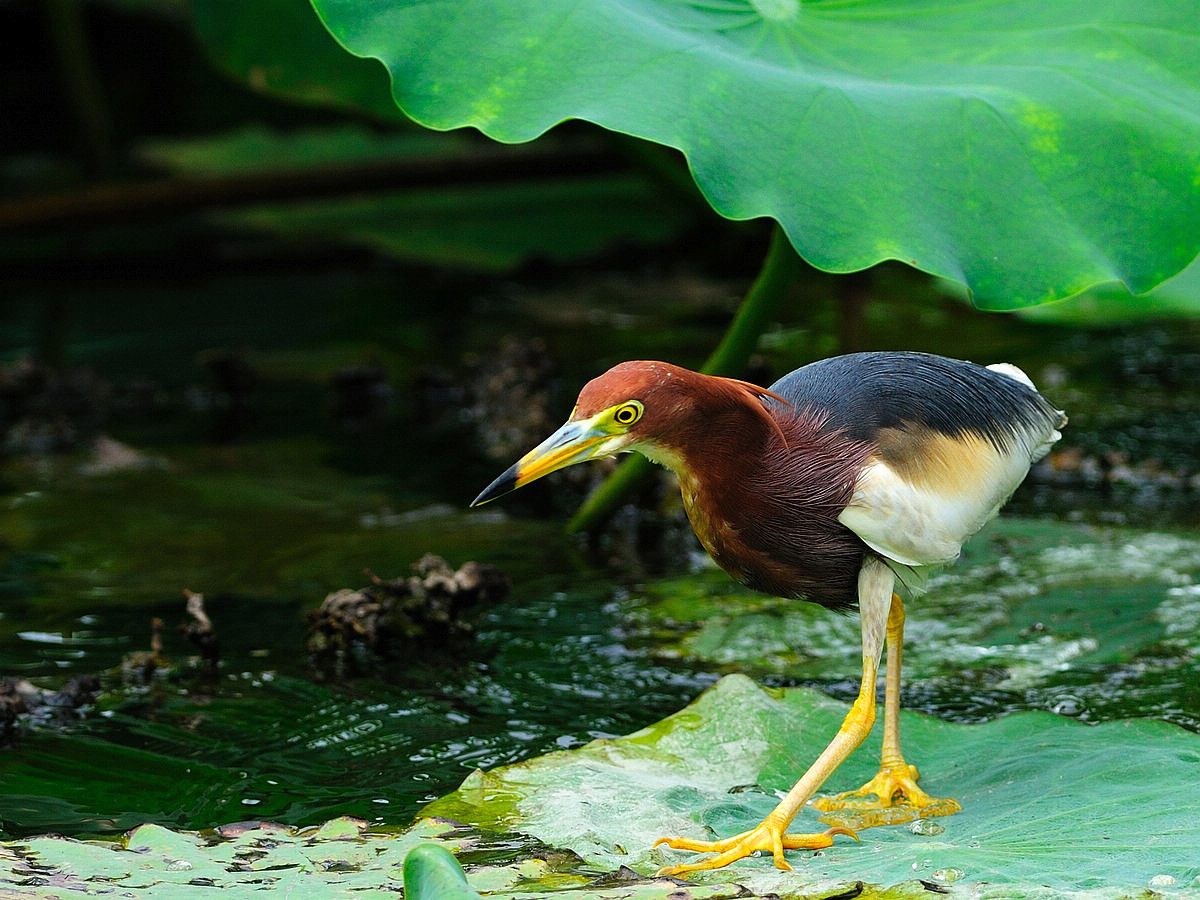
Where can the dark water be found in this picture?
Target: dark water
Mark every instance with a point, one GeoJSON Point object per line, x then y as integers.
{"type": "Point", "coordinates": [267, 520]}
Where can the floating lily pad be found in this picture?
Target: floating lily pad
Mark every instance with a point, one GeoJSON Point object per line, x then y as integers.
{"type": "Point", "coordinates": [241, 860]}
{"type": "Point", "coordinates": [487, 227]}
{"type": "Point", "coordinates": [1050, 806]}
{"type": "Point", "coordinates": [1027, 599]}
{"type": "Point", "coordinates": [339, 859]}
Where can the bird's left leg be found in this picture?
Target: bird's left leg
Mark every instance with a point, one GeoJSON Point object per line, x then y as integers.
{"type": "Point", "coordinates": [896, 777]}
{"type": "Point", "coordinates": [875, 582]}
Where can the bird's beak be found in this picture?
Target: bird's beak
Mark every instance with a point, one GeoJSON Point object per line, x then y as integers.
{"type": "Point", "coordinates": [575, 442]}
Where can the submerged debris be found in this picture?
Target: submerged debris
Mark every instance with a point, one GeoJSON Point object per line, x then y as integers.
{"type": "Point", "coordinates": [1071, 466]}
{"type": "Point", "coordinates": [231, 396]}
{"type": "Point", "coordinates": [21, 700]}
{"type": "Point", "coordinates": [109, 456]}
{"type": "Point", "coordinates": [508, 396]}
{"type": "Point", "coordinates": [140, 674]}
{"type": "Point", "coordinates": [43, 410]}
{"type": "Point", "coordinates": [140, 666]}
{"type": "Point", "coordinates": [143, 667]}
{"type": "Point", "coordinates": [46, 411]}
{"type": "Point", "coordinates": [200, 632]}
{"type": "Point", "coordinates": [353, 629]}
{"type": "Point", "coordinates": [361, 395]}
{"type": "Point", "coordinates": [512, 400]}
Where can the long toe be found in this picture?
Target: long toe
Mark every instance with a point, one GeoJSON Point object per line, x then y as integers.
{"type": "Point", "coordinates": [893, 789]}
{"type": "Point", "coordinates": [766, 837]}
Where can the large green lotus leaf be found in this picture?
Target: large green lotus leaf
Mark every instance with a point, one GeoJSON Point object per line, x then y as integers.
{"type": "Point", "coordinates": [1113, 304]}
{"type": "Point", "coordinates": [489, 227]}
{"type": "Point", "coordinates": [1027, 149]}
{"type": "Point", "coordinates": [1050, 807]}
{"type": "Point", "coordinates": [279, 46]}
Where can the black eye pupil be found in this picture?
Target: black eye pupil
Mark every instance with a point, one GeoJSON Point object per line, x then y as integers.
{"type": "Point", "coordinates": [626, 414]}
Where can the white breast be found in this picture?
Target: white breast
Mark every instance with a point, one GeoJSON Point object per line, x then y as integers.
{"type": "Point", "coordinates": [918, 512]}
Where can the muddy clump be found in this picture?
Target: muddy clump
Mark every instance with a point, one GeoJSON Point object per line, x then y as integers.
{"type": "Point", "coordinates": [21, 702]}
{"type": "Point", "coordinates": [43, 410]}
{"type": "Point", "coordinates": [355, 630]}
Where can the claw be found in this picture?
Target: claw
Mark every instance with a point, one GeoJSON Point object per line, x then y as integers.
{"type": "Point", "coordinates": [841, 829]}
{"type": "Point", "coordinates": [765, 837]}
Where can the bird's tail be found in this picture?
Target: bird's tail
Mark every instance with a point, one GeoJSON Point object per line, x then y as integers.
{"type": "Point", "coordinates": [1048, 440]}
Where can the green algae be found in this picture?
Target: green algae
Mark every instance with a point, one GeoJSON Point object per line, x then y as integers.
{"type": "Point", "coordinates": [1028, 601]}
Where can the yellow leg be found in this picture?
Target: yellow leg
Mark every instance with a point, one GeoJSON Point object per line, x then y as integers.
{"type": "Point", "coordinates": [874, 593]}
{"type": "Point", "coordinates": [896, 778]}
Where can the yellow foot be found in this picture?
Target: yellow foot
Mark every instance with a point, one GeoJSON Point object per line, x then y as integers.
{"type": "Point", "coordinates": [894, 786]}
{"type": "Point", "coordinates": [765, 837]}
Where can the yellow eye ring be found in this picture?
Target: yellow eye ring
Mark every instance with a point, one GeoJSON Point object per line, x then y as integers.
{"type": "Point", "coordinates": [627, 413]}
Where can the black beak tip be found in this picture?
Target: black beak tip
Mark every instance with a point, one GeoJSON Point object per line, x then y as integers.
{"type": "Point", "coordinates": [504, 484]}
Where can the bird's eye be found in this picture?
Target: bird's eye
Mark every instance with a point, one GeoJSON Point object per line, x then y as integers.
{"type": "Point", "coordinates": [627, 413]}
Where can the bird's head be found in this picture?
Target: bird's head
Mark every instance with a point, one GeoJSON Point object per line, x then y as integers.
{"type": "Point", "coordinates": [640, 405]}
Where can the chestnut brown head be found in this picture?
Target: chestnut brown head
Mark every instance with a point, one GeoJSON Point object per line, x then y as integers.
{"type": "Point", "coordinates": [643, 405]}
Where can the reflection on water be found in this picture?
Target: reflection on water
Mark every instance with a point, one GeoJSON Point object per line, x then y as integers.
{"type": "Point", "coordinates": [548, 672]}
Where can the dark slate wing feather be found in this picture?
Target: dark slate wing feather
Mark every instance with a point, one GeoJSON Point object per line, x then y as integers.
{"type": "Point", "coordinates": [951, 441]}
{"type": "Point", "coordinates": [864, 393]}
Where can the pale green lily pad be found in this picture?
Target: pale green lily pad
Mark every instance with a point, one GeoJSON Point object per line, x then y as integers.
{"type": "Point", "coordinates": [1011, 604]}
{"type": "Point", "coordinates": [1050, 807]}
{"type": "Point", "coordinates": [154, 862]}
{"type": "Point", "coordinates": [338, 859]}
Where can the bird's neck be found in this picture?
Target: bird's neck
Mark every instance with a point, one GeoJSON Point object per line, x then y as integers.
{"type": "Point", "coordinates": [720, 466]}
{"type": "Point", "coordinates": [719, 447]}
{"type": "Point", "coordinates": [763, 495]}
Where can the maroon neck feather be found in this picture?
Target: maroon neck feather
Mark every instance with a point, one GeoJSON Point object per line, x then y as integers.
{"type": "Point", "coordinates": [763, 485]}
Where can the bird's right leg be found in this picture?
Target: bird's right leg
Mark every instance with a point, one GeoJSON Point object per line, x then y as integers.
{"type": "Point", "coordinates": [875, 583]}
{"type": "Point", "coordinates": [896, 778]}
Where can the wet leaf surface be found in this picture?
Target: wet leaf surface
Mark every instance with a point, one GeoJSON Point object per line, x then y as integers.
{"type": "Point", "coordinates": [1047, 802]}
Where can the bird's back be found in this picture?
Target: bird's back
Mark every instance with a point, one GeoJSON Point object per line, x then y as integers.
{"type": "Point", "coordinates": [951, 441]}
{"type": "Point", "coordinates": [864, 393]}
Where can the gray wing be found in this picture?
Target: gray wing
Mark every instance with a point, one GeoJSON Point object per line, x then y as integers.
{"type": "Point", "coordinates": [952, 441]}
